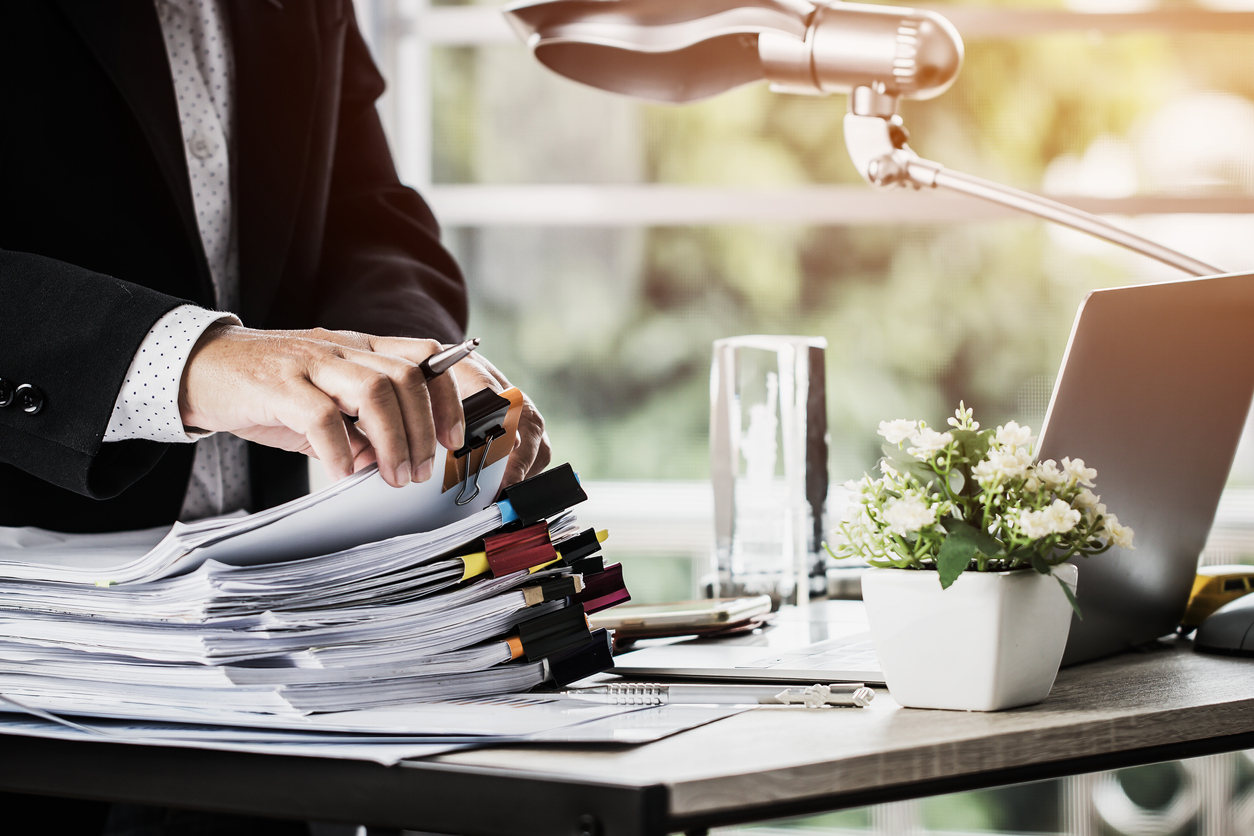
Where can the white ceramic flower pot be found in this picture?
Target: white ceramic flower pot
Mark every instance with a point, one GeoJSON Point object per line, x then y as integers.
{"type": "Point", "coordinates": [992, 640]}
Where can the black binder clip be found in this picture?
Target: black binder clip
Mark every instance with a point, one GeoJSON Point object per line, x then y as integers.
{"type": "Point", "coordinates": [543, 495]}
{"type": "Point", "coordinates": [485, 413]}
{"type": "Point", "coordinates": [574, 664]}
{"type": "Point", "coordinates": [553, 632]}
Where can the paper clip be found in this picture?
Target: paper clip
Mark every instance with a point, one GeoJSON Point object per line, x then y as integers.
{"type": "Point", "coordinates": [491, 435]}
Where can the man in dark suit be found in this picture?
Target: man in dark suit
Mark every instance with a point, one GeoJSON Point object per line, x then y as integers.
{"type": "Point", "coordinates": [101, 238]}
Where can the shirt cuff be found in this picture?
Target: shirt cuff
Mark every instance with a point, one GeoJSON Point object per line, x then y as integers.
{"type": "Point", "coordinates": [148, 404]}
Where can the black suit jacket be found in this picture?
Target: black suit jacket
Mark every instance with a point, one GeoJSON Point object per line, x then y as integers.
{"type": "Point", "coordinates": [98, 236]}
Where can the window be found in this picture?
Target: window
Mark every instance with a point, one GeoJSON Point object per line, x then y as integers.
{"type": "Point", "coordinates": [609, 242]}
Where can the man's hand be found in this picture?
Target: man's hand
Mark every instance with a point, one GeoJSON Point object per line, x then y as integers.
{"type": "Point", "coordinates": [531, 453]}
{"type": "Point", "coordinates": [294, 389]}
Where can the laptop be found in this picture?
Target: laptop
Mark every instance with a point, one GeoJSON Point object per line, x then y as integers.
{"type": "Point", "coordinates": [1154, 391]}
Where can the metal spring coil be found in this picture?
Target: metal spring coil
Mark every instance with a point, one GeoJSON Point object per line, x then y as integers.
{"type": "Point", "coordinates": [622, 693]}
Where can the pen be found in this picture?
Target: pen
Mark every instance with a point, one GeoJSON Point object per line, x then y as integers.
{"type": "Point", "coordinates": [641, 693]}
{"type": "Point", "coordinates": [440, 362]}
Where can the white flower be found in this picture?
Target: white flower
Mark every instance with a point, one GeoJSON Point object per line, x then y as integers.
{"type": "Point", "coordinates": [1061, 517]}
{"type": "Point", "coordinates": [1096, 512]}
{"type": "Point", "coordinates": [928, 442]}
{"type": "Point", "coordinates": [1006, 464]}
{"type": "Point", "coordinates": [1120, 535]}
{"type": "Point", "coordinates": [1058, 518]}
{"type": "Point", "coordinates": [985, 472]}
{"type": "Point", "coordinates": [1016, 464]}
{"type": "Point", "coordinates": [1085, 500]}
{"type": "Point", "coordinates": [908, 514]}
{"type": "Point", "coordinates": [1033, 524]}
{"type": "Point", "coordinates": [1012, 435]}
{"type": "Point", "coordinates": [1047, 471]}
{"type": "Point", "coordinates": [1078, 473]}
{"type": "Point", "coordinates": [854, 512]}
{"type": "Point", "coordinates": [962, 418]}
{"type": "Point", "coordinates": [898, 431]}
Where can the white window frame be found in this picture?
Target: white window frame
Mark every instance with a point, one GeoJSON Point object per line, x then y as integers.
{"type": "Point", "coordinates": [677, 517]}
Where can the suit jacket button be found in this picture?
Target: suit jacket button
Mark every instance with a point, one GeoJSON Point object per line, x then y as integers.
{"type": "Point", "coordinates": [29, 398]}
{"type": "Point", "coordinates": [6, 392]}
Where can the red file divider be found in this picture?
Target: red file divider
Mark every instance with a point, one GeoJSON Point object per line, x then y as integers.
{"type": "Point", "coordinates": [512, 551]}
{"type": "Point", "coordinates": [603, 590]}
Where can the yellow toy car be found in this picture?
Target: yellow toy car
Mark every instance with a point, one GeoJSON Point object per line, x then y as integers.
{"type": "Point", "coordinates": [1214, 587]}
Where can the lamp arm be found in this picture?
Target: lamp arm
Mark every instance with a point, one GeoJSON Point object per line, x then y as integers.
{"type": "Point", "coordinates": [877, 146]}
{"type": "Point", "coordinates": [1060, 213]}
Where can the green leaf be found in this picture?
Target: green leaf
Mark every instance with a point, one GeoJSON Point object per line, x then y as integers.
{"type": "Point", "coordinates": [894, 453]}
{"type": "Point", "coordinates": [908, 464]}
{"type": "Point", "coordinates": [962, 543]}
{"type": "Point", "coordinates": [987, 545]}
{"type": "Point", "coordinates": [972, 443]}
{"type": "Point", "coordinates": [1066, 590]}
{"type": "Point", "coordinates": [954, 557]}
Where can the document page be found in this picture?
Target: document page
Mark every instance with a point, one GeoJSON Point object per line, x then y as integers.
{"type": "Point", "coordinates": [392, 735]}
{"type": "Point", "coordinates": [360, 509]}
{"type": "Point", "coordinates": [92, 552]}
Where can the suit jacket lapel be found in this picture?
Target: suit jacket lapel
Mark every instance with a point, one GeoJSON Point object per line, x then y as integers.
{"type": "Point", "coordinates": [125, 36]}
{"type": "Point", "coordinates": [276, 72]}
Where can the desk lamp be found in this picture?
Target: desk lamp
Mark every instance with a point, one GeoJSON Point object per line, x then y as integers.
{"type": "Point", "coordinates": [683, 50]}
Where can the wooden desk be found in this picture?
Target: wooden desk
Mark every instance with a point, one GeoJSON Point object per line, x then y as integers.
{"type": "Point", "coordinates": [1133, 709]}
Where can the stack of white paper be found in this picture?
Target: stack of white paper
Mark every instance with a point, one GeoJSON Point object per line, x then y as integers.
{"type": "Point", "coordinates": [348, 599]}
{"type": "Point", "coordinates": [359, 509]}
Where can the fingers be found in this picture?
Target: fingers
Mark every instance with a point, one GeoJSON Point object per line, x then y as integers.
{"type": "Point", "coordinates": [400, 430]}
{"type": "Point", "coordinates": [363, 453]}
{"type": "Point", "coordinates": [446, 409]}
{"type": "Point", "coordinates": [309, 411]}
{"type": "Point", "coordinates": [543, 457]}
{"type": "Point", "coordinates": [476, 372]}
{"type": "Point", "coordinates": [531, 453]}
{"type": "Point", "coordinates": [444, 402]}
{"type": "Point", "coordinates": [292, 389]}
{"type": "Point", "coordinates": [430, 409]}
{"type": "Point", "coordinates": [398, 409]}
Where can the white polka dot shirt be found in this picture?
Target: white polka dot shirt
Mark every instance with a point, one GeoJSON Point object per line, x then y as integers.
{"type": "Point", "coordinates": [201, 64]}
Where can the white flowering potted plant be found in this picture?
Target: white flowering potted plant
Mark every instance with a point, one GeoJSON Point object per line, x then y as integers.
{"type": "Point", "coordinates": [970, 593]}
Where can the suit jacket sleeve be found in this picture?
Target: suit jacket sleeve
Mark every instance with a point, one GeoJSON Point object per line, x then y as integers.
{"type": "Point", "coordinates": [383, 269]}
{"type": "Point", "coordinates": [71, 333]}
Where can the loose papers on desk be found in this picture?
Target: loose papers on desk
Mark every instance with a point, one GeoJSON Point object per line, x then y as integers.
{"type": "Point", "coordinates": [493, 602]}
{"type": "Point", "coordinates": [387, 736]}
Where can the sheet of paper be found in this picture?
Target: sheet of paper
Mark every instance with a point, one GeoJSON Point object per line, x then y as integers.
{"type": "Point", "coordinates": [379, 736]}
{"type": "Point", "coordinates": [137, 734]}
{"type": "Point", "coordinates": [640, 726]}
{"type": "Point", "coordinates": [361, 509]}
{"type": "Point", "coordinates": [509, 715]}
{"type": "Point", "coordinates": [93, 552]}
{"type": "Point", "coordinates": [372, 511]}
